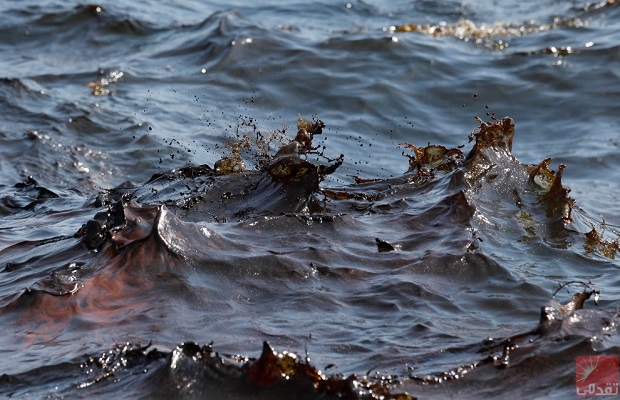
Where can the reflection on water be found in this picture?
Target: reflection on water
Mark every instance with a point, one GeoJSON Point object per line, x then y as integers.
{"type": "Point", "coordinates": [164, 218]}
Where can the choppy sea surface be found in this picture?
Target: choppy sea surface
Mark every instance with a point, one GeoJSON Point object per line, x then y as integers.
{"type": "Point", "coordinates": [166, 231]}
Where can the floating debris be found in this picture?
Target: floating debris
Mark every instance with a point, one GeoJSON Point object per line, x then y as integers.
{"type": "Point", "coordinates": [200, 367]}
{"type": "Point", "coordinates": [143, 238]}
{"type": "Point", "coordinates": [433, 156]}
{"type": "Point", "coordinates": [495, 35]}
{"type": "Point", "coordinates": [384, 246]}
{"type": "Point", "coordinates": [596, 243]}
{"type": "Point", "coordinates": [100, 87]}
{"type": "Point", "coordinates": [557, 322]}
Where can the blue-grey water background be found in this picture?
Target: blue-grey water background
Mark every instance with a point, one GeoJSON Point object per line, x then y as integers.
{"type": "Point", "coordinates": [96, 95]}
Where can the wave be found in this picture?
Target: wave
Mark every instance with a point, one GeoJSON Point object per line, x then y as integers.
{"type": "Point", "coordinates": [268, 251]}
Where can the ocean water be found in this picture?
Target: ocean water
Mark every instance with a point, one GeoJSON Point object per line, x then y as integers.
{"type": "Point", "coordinates": [164, 235]}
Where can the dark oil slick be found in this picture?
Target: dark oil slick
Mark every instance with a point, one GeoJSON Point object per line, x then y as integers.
{"type": "Point", "coordinates": [166, 233]}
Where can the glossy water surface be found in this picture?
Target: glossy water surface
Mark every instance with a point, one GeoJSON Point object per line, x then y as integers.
{"type": "Point", "coordinates": [402, 266]}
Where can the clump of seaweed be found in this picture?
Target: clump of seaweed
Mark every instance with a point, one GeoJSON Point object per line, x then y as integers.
{"type": "Point", "coordinates": [494, 35]}
{"type": "Point", "coordinates": [272, 368]}
{"type": "Point", "coordinates": [497, 134]}
{"type": "Point", "coordinates": [259, 145]}
{"type": "Point", "coordinates": [272, 372]}
{"type": "Point", "coordinates": [548, 184]}
{"type": "Point", "coordinates": [555, 322]}
{"type": "Point", "coordinates": [110, 365]}
{"type": "Point", "coordinates": [596, 243]}
{"type": "Point", "coordinates": [433, 157]}
{"type": "Point", "coordinates": [497, 35]}
{"type": "Point", "coordinates": [287, 166]}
